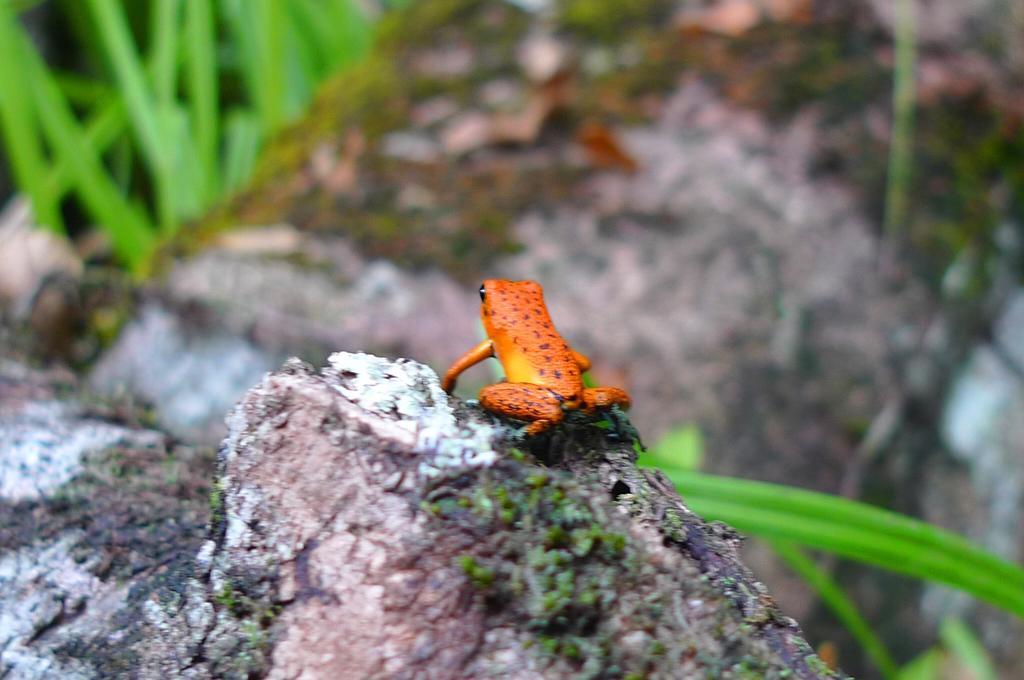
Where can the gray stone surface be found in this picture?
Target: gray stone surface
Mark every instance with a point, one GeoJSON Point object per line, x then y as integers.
{"type": "Point", "coordinates": [983, 427]}
{"type": "Point", "coordinates": [190, 372]}
{"type": "Point", "coordinates": [92, 511]}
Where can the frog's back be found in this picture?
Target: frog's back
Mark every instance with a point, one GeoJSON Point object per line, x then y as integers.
{"type": "Point", "coordinates": [526, 342]}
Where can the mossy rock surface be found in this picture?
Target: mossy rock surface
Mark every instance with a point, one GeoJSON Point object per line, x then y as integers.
{"type": "Point", "coordinates": [367, 525]}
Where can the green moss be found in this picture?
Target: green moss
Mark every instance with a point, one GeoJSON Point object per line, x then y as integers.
{"type": "Point", "coordinates": [481, 576]}
{"type": "Point", "coordinates": [216, 502]}
{"type": "Point", "coordinates": [225, 597]}
{"type": "Point", "coordinates": [750, 668]}
{"type": "Point", "coordinates": [815, 663]}
{"type": "Point", "coordinates": [557, 564]}
{"type": "Point", "coordinates": [608, 20]}
{"type": "Point", "coordinates": [255, 636]}
{"type": "Point", "coordinates": [420, 23]}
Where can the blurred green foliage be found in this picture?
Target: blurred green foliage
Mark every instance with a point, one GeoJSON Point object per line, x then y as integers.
{"type": "Point", "coordinates": [168, 106]}
{"type": "Point", "coordinates": [792, 519]}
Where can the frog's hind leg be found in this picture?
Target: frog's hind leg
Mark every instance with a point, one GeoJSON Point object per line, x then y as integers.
{"type": "Point", "coordinates": [523, 401]}
{"type": "Point", "coordinates": [610, 400]}
{"type": "Point", "coordinates": [603, 398]}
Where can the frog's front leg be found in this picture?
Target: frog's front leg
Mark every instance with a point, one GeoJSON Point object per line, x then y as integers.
{"type": "Point", "coordinates": [581, 360]}
{"type": "Point", "coordinates": [484, 350]}
{"type": "Point", "coordinates": [524, 401]}
{"type": "Point", "coordinates": [603, 398]}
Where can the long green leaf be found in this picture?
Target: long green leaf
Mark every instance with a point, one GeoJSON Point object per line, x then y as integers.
{"type": "Point", "coordinates": [857, 531]}
{"type": "Point", "coordinates": [82, 91]}
{"type": "Point", "coordinates": [164, 56]}
{"type": "Point", "coordinates": [140, 103]}
{"type": "Point", "coordinates": [202, 90]}
{"type": "Point", "coordinates": [242, 145]}
{"type": "Point", "coordinates": [258, 32]}
{"type": "Point", "coordinates": [188, 200]}
{"type": "Point", "coordinates": [897, 188]}
{"type": "Point", "coordinates": [866, 546]}
{"type": "Point", "coordinates": [101, 130]}
{"type": "Point", "coordinates": [270, 32]}
{"type": "Point", "coordinates": [959, 639]}
{"type": "Point", "coordinates": [22, 137]}
{"type": "Point", "coordinates": [300, 70]}
{"type": "Point", "coordinates": [841, 606]}
{"type": "Point", "coordinates": [353, 32]}
{"type": "Point", "coordinates": [924, 667]}
{"type": "Point", "coordinates": [129, 231]}
{"type": "Point", "coordinates": [910, 532]}
{"type": "Point", "coordinates": [311, 22]}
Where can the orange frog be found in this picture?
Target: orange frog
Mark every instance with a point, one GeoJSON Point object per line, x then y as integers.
{"type": "Point", "coordinates": [543, 373]}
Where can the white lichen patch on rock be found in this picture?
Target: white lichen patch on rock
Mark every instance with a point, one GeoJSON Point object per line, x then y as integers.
{"type": "Point", "coordinates": [410, 393]}
{"type": "Point", "coordinates": [41, 585]}
{"type": "Point", "coordinates": [45, 444]}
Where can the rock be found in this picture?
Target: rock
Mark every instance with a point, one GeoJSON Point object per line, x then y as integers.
{"type": "Point", "coordinates": [94, 514]}
{"type": "Point", "coordinates": [46, 441]}
{"type": "Point", "coordinates": [189, 369]}
{"type": "Point", "coordinates": [983, 429]}
{"type": "Point", "coordinates": [368, 526]}
{"type": "Point", "coordinates": [362, 524]}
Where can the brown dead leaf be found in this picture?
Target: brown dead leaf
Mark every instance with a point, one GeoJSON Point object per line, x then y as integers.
{"type": "Point", "coordinates": [734, 18]}
{"type": "Point", "coordinates": [522, 127]}
{"type": "Point", "coordinates": [546, 63]}
{"type": "Point", "coordinates": [475, 130]}
{"type": "Point", "coordinates": [731, 18]}
{"type": "Point", "coordinates": [545, 98]}
{"type": "Point", "coordinates": [337, 170]}
{"type": "Point", "coordinates": [467, 132]}
{"type": "Point", "coordinates": [795, 11]}
{"type": "Point", "coordinates": [281, 239]}
{"type": "Point", "coordinates": [542, 57]}
{"type": "Point", "coordinates": [603, 148]}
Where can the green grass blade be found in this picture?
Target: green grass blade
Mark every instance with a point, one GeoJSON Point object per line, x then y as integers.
{"type": "Point", "coordinates": [270, 32]}
{"type": "Point", "coordinates": [258, 32]}
{"type": "Point", "coordinates": [139, 102]}
{"type": "Point", "coordinates": [959, 639]}
{"type": "Point", "coordinates": [130, 233]}
{"type": "Point", "coordinates": [865, 546]}
{"type": "Point", "coordinates": [841, 606]}
{"type": "Point", "coordinates": [901, 137]}
{"type": "Point", "coordinates": [912, 533]}
{"type": "Point", "coordinates": [18, 125]}
{"type": "Point", "coordinates": [102, 129]}
{"type": "Point", "coordinates": [189, 201]}
{"type": "Point", "coordinates": [164, 56]}
{"type": "Point", "coordinates": [681, 447]}
{"type": "Point", "coordinates": [19, 6]}
{"type": "Point", "coordinates": [924, 667]}
{"type": "Point", "coordinates": [300, 72]}
{"type": "Point", "coordinates": [857, 531]}
{"type": "Point", "coordinates": [82, 91]}
{"type": "Point", "coordinates": [201, 64]}
{"type": "Point", "coordinates": [242, 146]}
{"type": "Point", "coordinates": [352, 34]}
{"type": "Point", "coordinates": [311, 22]}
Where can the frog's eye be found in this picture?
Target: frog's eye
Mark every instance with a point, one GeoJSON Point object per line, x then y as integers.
{"type": "Point", "coordinates": [483, 293]}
